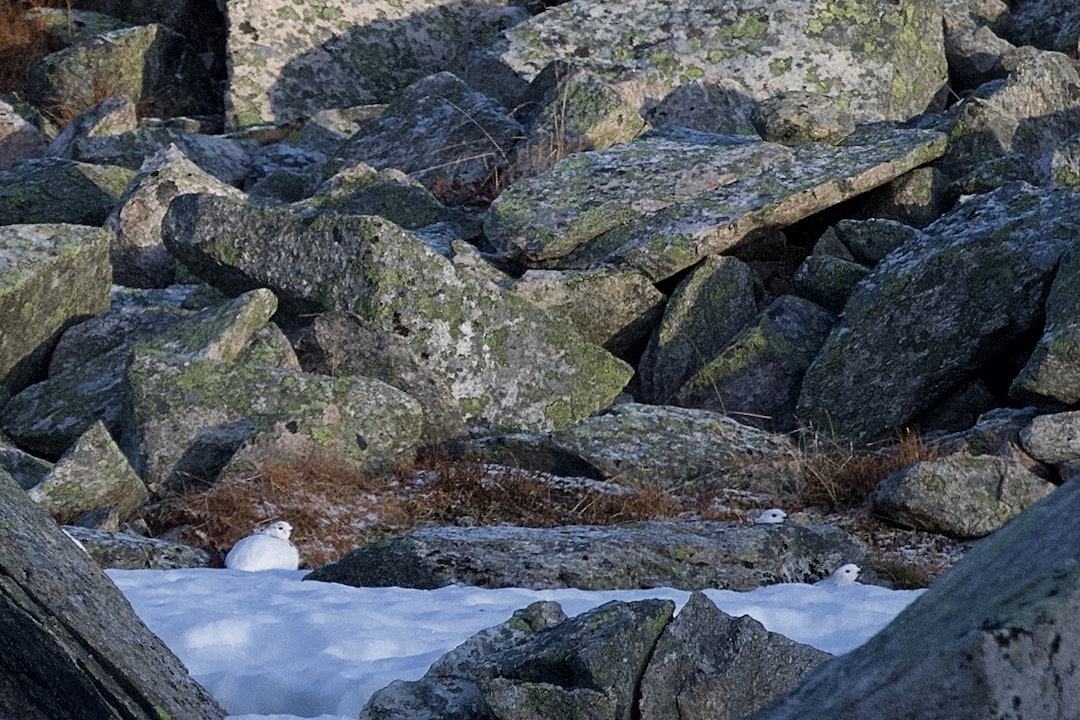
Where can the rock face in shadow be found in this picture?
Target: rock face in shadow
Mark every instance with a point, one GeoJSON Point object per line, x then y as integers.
{"type": "Point", "coordinates": [996, 637]}
{"type": "Point", "coordinates": [708, 664]}
{"type": "Point", "coordinates": [906, 333]}
{"type": "Point", "coordinates": [73, 647]}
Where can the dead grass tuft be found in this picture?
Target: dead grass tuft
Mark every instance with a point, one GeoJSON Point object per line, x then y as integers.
{"type": "Point", "coordinates": [902, 575]}
{"type": "Point", "coordinates": [334, 508]}
{"type": "Point", "coordinates": [838, 476]}
{"type": "Point", "coordinates": [24, 39]}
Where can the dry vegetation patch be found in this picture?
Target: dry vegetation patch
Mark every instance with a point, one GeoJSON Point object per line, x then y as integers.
{"type": "Point", "coordinates": [24, 38]}
{"type": "Point", "coordinates": [838, 476]}
{"type": "Point", "coordinates": [335, 508]}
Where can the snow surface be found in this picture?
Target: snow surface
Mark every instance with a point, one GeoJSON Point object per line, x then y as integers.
{"type": "Point", "coordinates": [270, 647]}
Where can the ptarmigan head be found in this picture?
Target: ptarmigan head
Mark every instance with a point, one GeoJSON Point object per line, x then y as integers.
{"type": "Point", "coordinates": [278, 529]}
{"type": "Point", "coordinates": [773, 516]}
{"type": "Point", "coordinates": [843, 575]}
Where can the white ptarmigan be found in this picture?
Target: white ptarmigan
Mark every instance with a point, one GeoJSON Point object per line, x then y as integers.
{"type": "Point", "coordinates": [772, 516]}
{"type": "Point", "coordinates": [843, 575]}
{"type": "Point", "coordinates": [267, 549]}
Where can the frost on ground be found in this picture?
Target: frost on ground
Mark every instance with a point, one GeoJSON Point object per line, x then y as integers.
{"type": "Point", "coordinates": [270, 647]}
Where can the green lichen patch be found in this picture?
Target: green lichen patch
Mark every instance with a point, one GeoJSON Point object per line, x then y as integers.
{"type": "Point", "coordinates": [176, 401]}
{"type": "Point", "coordinates": [50, 275]}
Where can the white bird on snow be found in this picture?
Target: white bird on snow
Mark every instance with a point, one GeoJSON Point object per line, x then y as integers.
{"type": "Point", "coordinates": [843, 575]}
{"type": "Point", "coordinates": [773, 516]}
{"type": "Point", "coordinates": [267, 549]}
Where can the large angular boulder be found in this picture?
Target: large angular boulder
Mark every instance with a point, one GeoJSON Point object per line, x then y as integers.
{"type": "Point", "coordinates": [150, 64]}
{"type": "Point", "coordinates": [674, 196]}
{"type": "Point", "coordinates": [73, 647]}
{"type": "Point", "coordinates": [1049, 24]}
{"type": "Point", "coordinates": [348, 346]}
{"type": "Point", "coordinates": [227, 159]}
{"type": "Point", "coordinates": [1052, 372]}
{"type": "Point", "coordinates": [124, 551]}
{"type": "Point", "coordinates": [52, 276]}
{"type": "Point", "coordinates": [506, 362]}
{"type": "Point", "coordinates": [52, 190]}
{"type": "Point", "coordinates": [708, 308]}
{"type": "Point", "coordinates": [907, 338]}
{"type": "Point", "coordinates": [189, 416]}
{"type": "Point", "coordinates": [442, 133]}
{"type": "Point", "coordinates": [1005, 127]}
{"type": "Point", "coordinates": [960, 495]}
{"type": "Point", "coordinates": [286, 63]}
{"type": "Point", "coordinates": [92, 475]}
{"type": "Point", "coordinates": [139, 257]}
{"type": "Point", "coordinates": [111, 116]}
{"type": "Point", "coordinates": [657, 446]}
{"type": "Point", "coordinates": [682, 554]}
{"type": "Point", "coordinates": [538, 664]}
{"type": "Point", "coordinates": [757, 377]}
{"type": "Point", "coordinates": [994, 637]}
{"type": "Point", "coordinates": [612, 307]}
{"type": "Point", "coordinates": [708, 664]}
{"type": "Point", "coordinates": [649, 47]}
{"type": "Point", "coordinates": [49, 416]}
{"type": "Point", "coordinates": [201, 22]}
{"type": "Point", "coordinates": [976, 56]}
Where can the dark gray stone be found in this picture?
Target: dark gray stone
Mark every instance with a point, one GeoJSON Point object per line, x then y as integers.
{"type": "Point", "coordinates": [53, 190]}
{"type": "Point", "coordinates": [536, 665]}
{"type": "Point", "coordinates": [708, 308]}
{"type": "Point", "coordinates": [1052, 372]}
{"type": "Point", "coordinates": [681, 554]}
{"type": "Point", "coordinates": [73, 647]}
{"type": "Point", "coordinates": [757, 377]}
{"type": "Point", "coordinates": [124, 551]}
{"type": "Point", "coordinates": [827, 281]}
{"type": "Point", "coordinates": [907, 338]}
{"type": "Point", "coordinates": [995, 637]}
{"type": "Point", "coordinates": [708, 664]}
{"type": "Point", "coordinates": [92, 474]}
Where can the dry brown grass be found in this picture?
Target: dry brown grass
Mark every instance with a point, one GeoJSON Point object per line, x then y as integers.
{"type": "Point", "coordinates": [334, 508]}
{"type": "Point", "coordinates": [838, 476]}
{"type": "Point", "coordinates": [23, 40]}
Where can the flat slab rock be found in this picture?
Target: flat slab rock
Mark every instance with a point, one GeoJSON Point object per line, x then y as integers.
{"type": "Point", "coordinates": [681, 554]}
{"type": "Point", "coordinates": [649, 46]}
{"type": "Point", "coordinates": [668, 199]}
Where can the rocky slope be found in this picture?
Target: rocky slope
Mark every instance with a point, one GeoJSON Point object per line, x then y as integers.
{"type": "Point", "coordinates": [623, 248]}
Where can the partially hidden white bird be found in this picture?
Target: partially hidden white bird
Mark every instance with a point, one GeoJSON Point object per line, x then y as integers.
{"type": "Point", "coordinates": [267, 548]}
{"type": "Point", "coordinates": [772, 516]}
{"type": "Point", "coordinates": [843, 575]}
